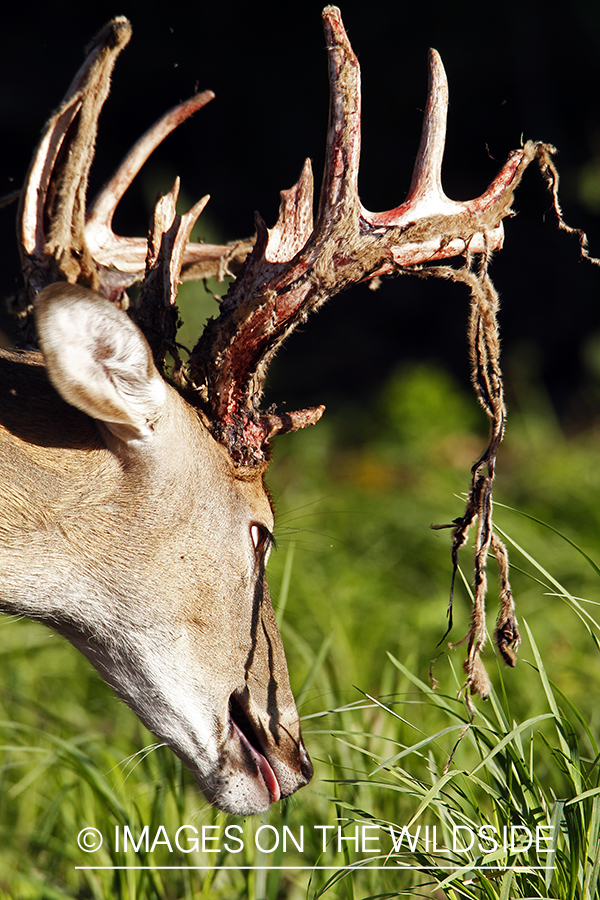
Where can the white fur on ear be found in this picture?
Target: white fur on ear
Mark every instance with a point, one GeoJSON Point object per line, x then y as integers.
{"type": "Point", "coordinates": [98, 360]}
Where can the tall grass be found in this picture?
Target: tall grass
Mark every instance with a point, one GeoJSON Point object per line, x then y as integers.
{"type": "Point", "coordinates": [360, 586]}
{"type": "Point", "coordinates": [517, 813]}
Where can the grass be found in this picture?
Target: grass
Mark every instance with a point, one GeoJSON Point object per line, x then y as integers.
{"type": "Point", "coordinates": [492, 825]}
{"type": "Point", "coordinates": [360, 584]}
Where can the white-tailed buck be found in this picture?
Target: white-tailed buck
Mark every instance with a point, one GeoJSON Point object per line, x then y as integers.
{"type": "Point", "coordinates": [133, 515]}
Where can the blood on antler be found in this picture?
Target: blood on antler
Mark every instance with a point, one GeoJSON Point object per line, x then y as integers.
{"type": "Point", "coordinates": [293, 268]}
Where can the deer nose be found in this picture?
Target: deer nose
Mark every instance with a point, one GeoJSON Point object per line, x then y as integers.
{"type": "Point", "coordinates": [297, 773]}
{"type": "Point", "coordinates": [306, 766]}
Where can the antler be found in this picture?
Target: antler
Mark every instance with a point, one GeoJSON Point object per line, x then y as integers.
{"type": "Point", "coordinates": [294, 268]}
{"type": "Point", "coordinates": [57, 237]}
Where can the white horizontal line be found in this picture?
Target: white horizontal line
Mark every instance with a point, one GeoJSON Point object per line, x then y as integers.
{"type": "Point", "coordinates": [352, 867]}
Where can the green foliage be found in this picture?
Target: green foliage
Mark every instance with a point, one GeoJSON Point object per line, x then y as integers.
{"type": "Point", "coordinates": [360, 585]}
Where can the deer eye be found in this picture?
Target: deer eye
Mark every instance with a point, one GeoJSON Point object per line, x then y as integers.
{"type": "Point", "coordinates": [261, 539]}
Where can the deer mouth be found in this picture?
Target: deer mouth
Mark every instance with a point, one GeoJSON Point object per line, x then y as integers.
{"type": "Point", "coordinates": [252, 749]}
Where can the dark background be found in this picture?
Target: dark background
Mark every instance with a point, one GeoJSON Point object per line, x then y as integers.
{"type": "Point", "coordinates": [515, 71]}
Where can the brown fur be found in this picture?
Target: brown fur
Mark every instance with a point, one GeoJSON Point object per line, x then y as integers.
{"type": "Point", "coordinates": [125, 549]}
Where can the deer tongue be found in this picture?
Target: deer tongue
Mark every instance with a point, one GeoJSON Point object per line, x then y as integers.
{"type": "Point", "coordinates": [263, 765]}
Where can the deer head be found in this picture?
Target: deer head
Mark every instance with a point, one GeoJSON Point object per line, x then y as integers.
{"type": "Point", "coordinates": [134, 517]}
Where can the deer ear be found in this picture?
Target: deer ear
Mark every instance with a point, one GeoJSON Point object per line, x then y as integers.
{"type": "Point", "coordinates": [98, 360]}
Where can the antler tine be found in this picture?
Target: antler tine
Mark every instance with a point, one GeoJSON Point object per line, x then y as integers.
{"type": "Point", "coordinates": [426, 196]}
{"type": "Point", "coordinates": [98, 229]}
{"type": "Point", "coordinates": [426, 182]}
{"type": "Point", "coordinates": [30, 220]}
{"type": "Point", "coordinates": [294, 223]}
{"type": "Point", "coordinates": [56, 183]}
{"type": "Point", "coordinates": [339, 189]}
{"type": "Point", "coordinates": [155, 311]}
{"type": "Point", "coordinates": [128, 254]}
